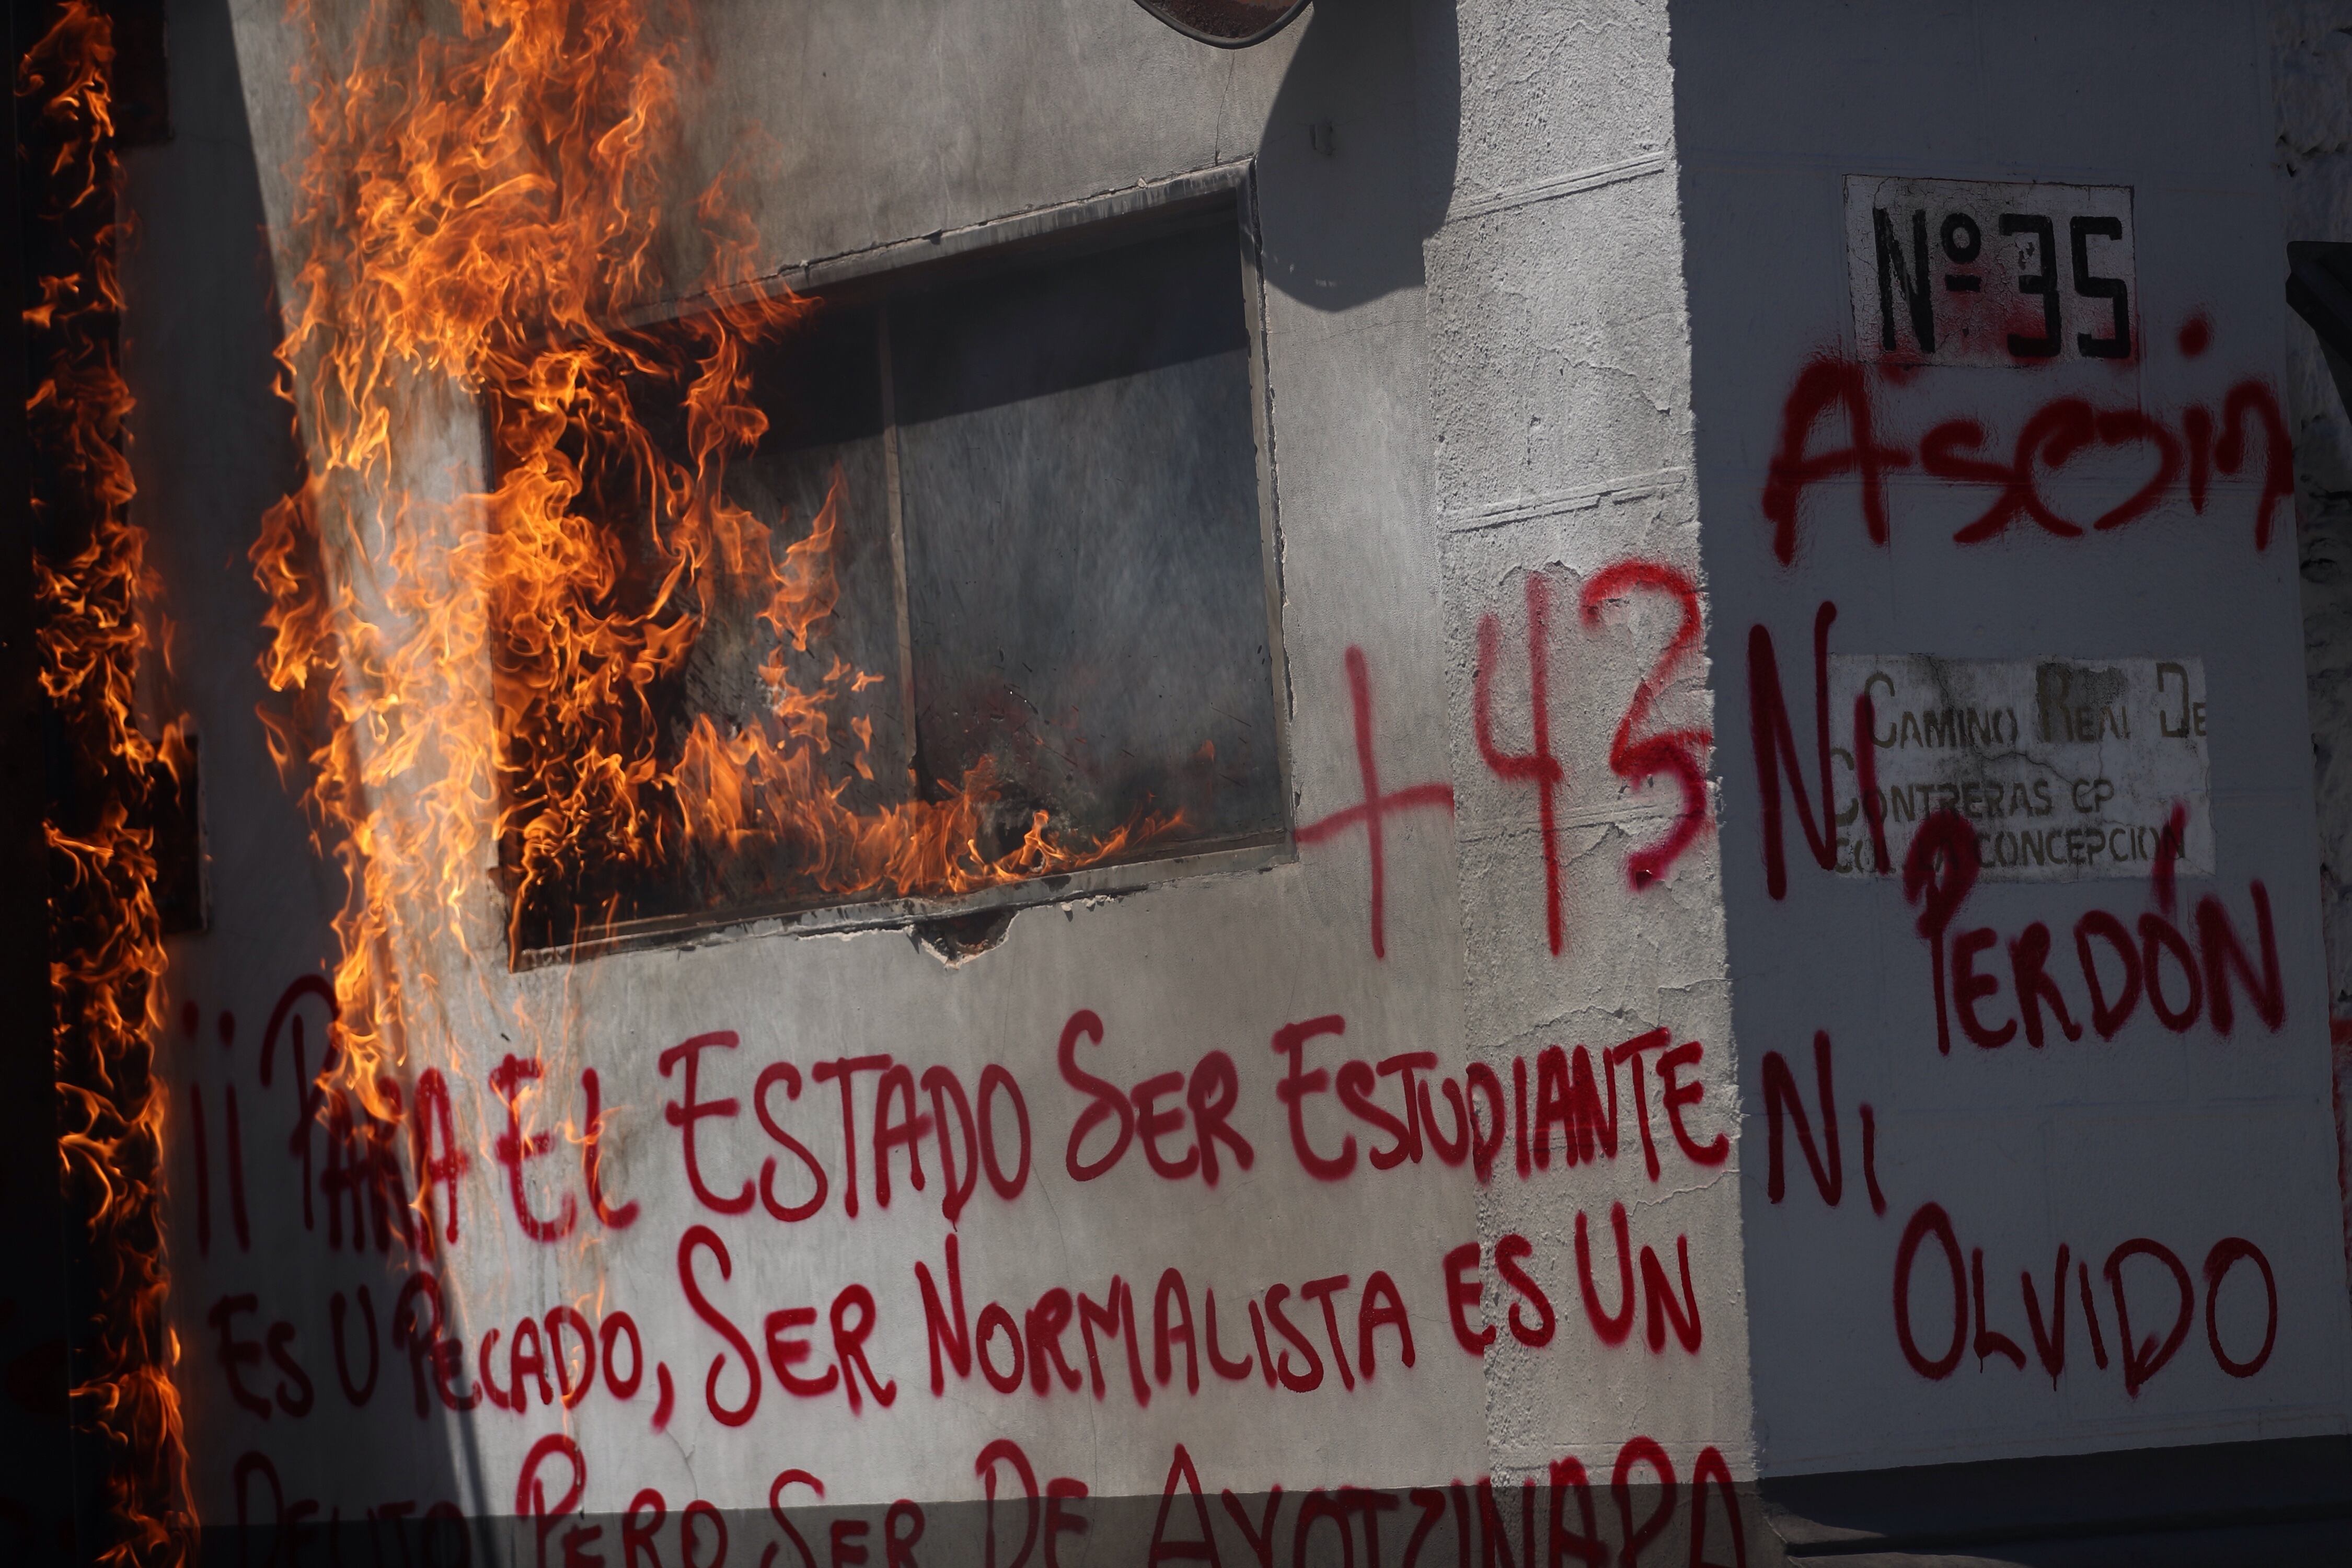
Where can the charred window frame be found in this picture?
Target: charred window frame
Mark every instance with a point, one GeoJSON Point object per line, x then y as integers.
{"type": "Point", "coordinates": [984, 511]}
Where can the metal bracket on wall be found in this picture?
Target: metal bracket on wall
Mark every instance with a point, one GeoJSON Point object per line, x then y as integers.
{"type": "Point", "coordinates": [1226, 24]}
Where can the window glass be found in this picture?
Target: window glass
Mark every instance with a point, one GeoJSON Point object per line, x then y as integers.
{"type": "Point", "coordinates": [1084, 580]}
{"type": "Point", "coordinates": [1028, 493]}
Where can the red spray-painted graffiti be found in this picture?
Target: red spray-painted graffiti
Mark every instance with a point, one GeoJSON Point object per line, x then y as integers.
{"type": "Point", "coordinates": [1941, 872]}
{"type": "Point", "coordinates": [1838, 390]}
{"type": "Point", "coordinates": [1680, 753]}
{"type": "Point", "coordinates": [1536, 765]}
{"type": "Point", "coordinates": [2142, 1357]}
{"type": "Point", "coordinates": [1370, 812]}
{"type": "Point", "coordinates": [1633, 756]}
{"type": "Point", "coordinates": [1556, 1519]}
{"type": "Point", "coordinates": [1777, 758]}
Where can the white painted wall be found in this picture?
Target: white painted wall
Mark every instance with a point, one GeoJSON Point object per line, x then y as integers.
{"type": "Point", "coordinates": [2185, 1139]}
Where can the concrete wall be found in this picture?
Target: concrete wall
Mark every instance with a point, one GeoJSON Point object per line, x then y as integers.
{"type": "Point", "coordinates": [2183, 1138]}
{"type": "Point", "coordinates": [1559, 396]}
{"type": "Point", "coordinates": [1533, 312]}
{"type": "Point", "coordinates": [892, 125]}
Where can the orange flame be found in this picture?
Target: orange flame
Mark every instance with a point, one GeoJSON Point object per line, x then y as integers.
{"type": "Point", "coordinates": [95, 592]}
{"type": "Point", "coordinates": [471, 675]}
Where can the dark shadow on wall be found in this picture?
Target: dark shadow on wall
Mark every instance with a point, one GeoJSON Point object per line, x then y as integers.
{"type": "Point", "coordinates": [1357, 157]}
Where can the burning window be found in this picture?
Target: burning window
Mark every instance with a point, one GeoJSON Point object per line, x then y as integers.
{"type": "Point", "coordinates": [1010, 622]}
